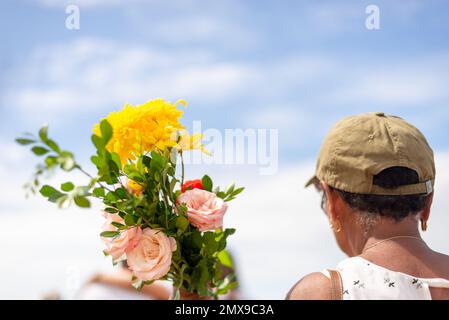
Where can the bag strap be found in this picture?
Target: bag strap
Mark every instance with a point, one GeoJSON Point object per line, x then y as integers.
{"type": "Point", "coordinates": [336, 285]}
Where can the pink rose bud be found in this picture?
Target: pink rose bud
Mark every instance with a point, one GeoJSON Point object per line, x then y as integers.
{"type": "Point", "coordinates": [204, 209]}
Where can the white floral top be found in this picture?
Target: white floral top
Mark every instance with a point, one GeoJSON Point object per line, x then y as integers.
{"type": "Point", "coordinates": [363, 280]}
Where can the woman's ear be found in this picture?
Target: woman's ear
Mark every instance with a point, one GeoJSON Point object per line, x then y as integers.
{"type": "Point", "coordinates": [426, 212]}
{"type": "Point", "coordinates": [330, 202]}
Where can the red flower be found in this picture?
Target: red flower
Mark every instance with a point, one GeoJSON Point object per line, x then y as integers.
{"type": "Point", "coordinates": [192, 184]}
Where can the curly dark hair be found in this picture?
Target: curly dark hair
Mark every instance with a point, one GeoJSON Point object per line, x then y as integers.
{"type": "Point", "coordinates": [394, 207]}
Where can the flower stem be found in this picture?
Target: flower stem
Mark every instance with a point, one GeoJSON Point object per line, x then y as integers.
{"type": "Point", "coordinates": [182, 169]}
{"type": "Point", "coordinates": [77, 166]}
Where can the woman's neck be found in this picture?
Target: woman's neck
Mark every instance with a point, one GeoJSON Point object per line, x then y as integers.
{"type": "Point", "coordinates": [406, 230]}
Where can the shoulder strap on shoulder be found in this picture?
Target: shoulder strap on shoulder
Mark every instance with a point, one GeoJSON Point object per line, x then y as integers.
{"type": "Point", "coordinates": [336, 285]}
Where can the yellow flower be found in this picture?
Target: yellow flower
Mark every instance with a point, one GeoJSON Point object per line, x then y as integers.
{"type": "Point", "coordinates": [191, 142]}
{"type": "Point", "coordinates": [134, 187]}
{"type": "Point", "coordinates": [139, 129]}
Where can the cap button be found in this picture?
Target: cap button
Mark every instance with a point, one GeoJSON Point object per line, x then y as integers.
{"type": "Point", "coordinates": [380, 114]}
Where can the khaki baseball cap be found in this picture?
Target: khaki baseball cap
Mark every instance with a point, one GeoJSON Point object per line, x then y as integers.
{"type": "Point", "coordinates": [359, 147]}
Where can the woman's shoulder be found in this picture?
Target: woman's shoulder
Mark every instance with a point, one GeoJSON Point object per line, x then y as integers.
{"type": "Point", "coordinates": [317, 285]}
{"type": "Point", "coordinates": [439, 265]}
{"type": "Point", "coordinates": [314, 286]}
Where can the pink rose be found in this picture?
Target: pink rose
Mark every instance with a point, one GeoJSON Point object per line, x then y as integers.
{"type": "Point", "coordinates": [204, 209]}
{"type": "Point", "coordinates": [151, 258]}
{"type": "Point", "coordinates": [127, 240]}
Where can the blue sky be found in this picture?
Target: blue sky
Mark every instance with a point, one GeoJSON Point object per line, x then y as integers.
{"type": "Point", "coordinates": [295, 66]}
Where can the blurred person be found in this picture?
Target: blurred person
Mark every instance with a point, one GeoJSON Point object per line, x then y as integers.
{"type": "Point", "coordinates": [117, 285]}
{"type": "Point", "coordinates": [377, 174]}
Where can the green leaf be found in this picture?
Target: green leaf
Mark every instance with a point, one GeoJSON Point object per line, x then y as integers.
{"type": "Point", "coordinates": [221, 194]}
{"type": "Point", "coordinates": [43, 133]}
{"type": "Point", "coordinates": [82, 202]}
{"type": "Point", "coordinates": [96, 161]}
{"type": "Point", "coordinates": [106, 131]}
{"type": "Point", "coordinates": [47, 191]}
{"type": "Point", "coordinates": [129, 220]}
{"type": "Point", "coordinates": [55, 197]}
{"type": "Point", "coordinates": [210, 244]}
{"type": "Point", "coordinates": [109, 234]}
{"type": "Point", "coordinates": [111, 210]}
{"type": "Point", "coordinates": [182, 223]}
{"type": "Point", "coordinates": [24, 141]}
{"type": "Point", "coordinates": [117, 224]}
{"type": "Point", "coordinates": [116, 158]}
{"type": "Point", "coordinates": [68, 186]}
{"type": "Point", "coordinates": [53, 146]}
{"type": "Point", "coordinates": [229, 231]}
{"type": "Point", "coordinates": [137, 177]}
{"type": "Point", "coordinates": [98, 142]}
{"type": "Point", "coordinates": [195, 240]}
{"type": "Point", "coordinates": [110, 196]}
{"type": "Point", "coordinates": [225, 259]}
{"type": "Point", "coordinates": [207, 183]}
{"type": "Point", "coordinates": [222, 240]}
{"type": "Point", "coordinates": [99, 192]}
{"type": "Point", "coordinates": [237, 191]}
{"type": "Point", "coordinates": [158, 162]}
{"type": "Point", "coordinates": [201, 277]}
{"type": "Point", "coordinates": [230, 188]}
{"type": "Point", "coordinates": [121, 193]}
{"type": "Point", "coordinates": [39, 151]}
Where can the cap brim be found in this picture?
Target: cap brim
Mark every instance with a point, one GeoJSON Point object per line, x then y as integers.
{"type": "Point", "coordinates": [312, 181]}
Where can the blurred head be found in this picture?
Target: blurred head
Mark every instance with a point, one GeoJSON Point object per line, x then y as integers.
{"type": "Point", "coordinates": [376, 174]}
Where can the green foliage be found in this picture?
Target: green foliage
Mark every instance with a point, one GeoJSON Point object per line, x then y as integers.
{"type": "Point", "coordinates": [39, 151]}
{"type": "Point", "coordinates": [82, 202]}
{"type": "Point", "coordinates": [207, 183]}
{"type": "Point", "coordinates": [200, 263]}
{"type": "Point", "coordinates": [24, 141]}
{"type": "Point", "coordinates": [109, 234]}
{"type": "Point", "coordinates": [230, 192]}
{"type": "Point", "coordinates": [106, 131]}
{"type": "Point", "coordinates": [47, 191]}
{"type": "Point", "coordinates": [68, 186]}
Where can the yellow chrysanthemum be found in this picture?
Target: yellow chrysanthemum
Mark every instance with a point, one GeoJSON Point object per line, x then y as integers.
{"type": "Point", "coordinates": [143, 128]}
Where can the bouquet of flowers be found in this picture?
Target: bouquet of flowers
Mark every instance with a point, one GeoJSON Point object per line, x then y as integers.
{"type": "Point", "coordinates": [165, 228]}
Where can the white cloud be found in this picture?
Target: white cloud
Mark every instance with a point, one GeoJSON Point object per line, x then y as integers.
{"type": "Point", "coordinates": [409, 82]}
{"type": "Point", "coordinates": [96, 74]}
{"type": "Point", "coordinates": [92, 73]}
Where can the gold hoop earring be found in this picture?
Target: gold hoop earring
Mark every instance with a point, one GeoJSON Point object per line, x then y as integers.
{"type": "Point", "coordinates": [423, 225]}
{"type": "Point", "coordinates": [336, 229]}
